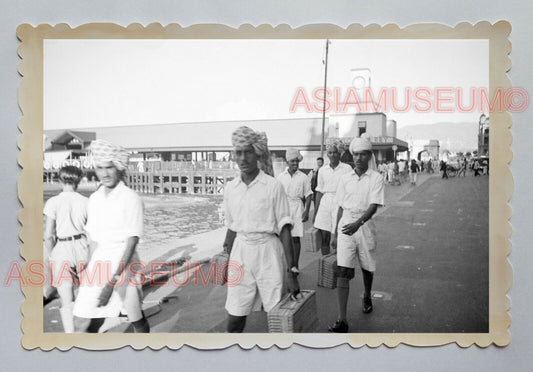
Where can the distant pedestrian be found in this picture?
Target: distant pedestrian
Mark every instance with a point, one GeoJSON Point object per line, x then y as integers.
{"type": "Point", "coordinates": [314, 179]}
{"type": "Point", "coordinates": [462, 168]}
{"type": "Point", "coordinates": [359, 194]}
{"type": "Point", "coordinates": [328, 180]}
{"type": "Point", "coordinates": [430, 167]}
{"type": "Point", "coordinates": [65, 243]}
{"type": "Point", "coordinates": [414, 171]}
{"type": "Point", "coordinates": [298, 190]}
{"type": "Point", "coordinates": [476, 168]}
{"type": "Point", "coordinates": [346, 156]}
{"type": "Point", "coordinates": [444, 169]}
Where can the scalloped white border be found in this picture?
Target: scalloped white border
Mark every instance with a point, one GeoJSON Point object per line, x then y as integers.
{"type": "Point", "coordinates": [30, 182]}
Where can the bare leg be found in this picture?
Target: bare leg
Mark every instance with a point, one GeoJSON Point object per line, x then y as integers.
{"type": "Point", "coordinates": [325, 238]}
{"type": "Point", "coordinates": [236, 323]}
{"type": "Point", "coordinates": [297, 248]}
{"type": "Point", "coordinates": [132, 304]}
{"type": "Point", "coordinates": [343, 291]}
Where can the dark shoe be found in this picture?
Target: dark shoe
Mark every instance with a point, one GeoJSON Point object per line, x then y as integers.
{"type": "Point", "coordinates": [339, 327]}
{"type": "Point", "coordinates": [367, 305]}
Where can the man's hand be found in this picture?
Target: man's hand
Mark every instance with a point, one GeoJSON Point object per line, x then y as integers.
{"type": "Point", "coordinates": [305, 216]}
{"type": "Point", "coordinates": [333, 242]}
{"type": "Point", "coordinates": [293, 285]}
{"type": "Point", "coordinates": [351, 228]}
{"type": "Point", "coordinates": [105, 295]}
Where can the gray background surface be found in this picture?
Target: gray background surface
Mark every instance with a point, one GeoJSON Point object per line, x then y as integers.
{"type": "Point", "coordinates": [517, 356]}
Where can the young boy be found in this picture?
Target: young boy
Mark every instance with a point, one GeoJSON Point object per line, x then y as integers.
{"type": "Point", "coordinates": [65, 244]}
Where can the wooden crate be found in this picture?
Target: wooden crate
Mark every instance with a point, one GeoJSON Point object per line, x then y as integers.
{"type": "Point", "coordinates": [311, 240]}
{"type": "Point", "coordinates": [327, 271]}
{"type": "Point", "coordinates": [294, 316]}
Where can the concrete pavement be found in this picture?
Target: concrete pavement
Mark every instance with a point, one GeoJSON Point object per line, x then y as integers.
{"type": "Point", "coordinates": [432, 273]}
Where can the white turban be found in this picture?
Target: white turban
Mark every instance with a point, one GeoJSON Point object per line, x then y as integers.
{"type": "Point", "coordinates": [333, 145]}
{"type": "Point", "coordinates": [245, 136]}
{"type": "Point", "coordinates": [360, 144]}
{"type": "Point", "coordinates": [103, 151]}
{"type": "Point", "coordinates": [293, 154]}
{"type": "Point", "coordinates": [363, 144]}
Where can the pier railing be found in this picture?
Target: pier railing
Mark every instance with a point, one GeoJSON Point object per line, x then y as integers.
{"type": "Point", "coordinates": [181, 177]}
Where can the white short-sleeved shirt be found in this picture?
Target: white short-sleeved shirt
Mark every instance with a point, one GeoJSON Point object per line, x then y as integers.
{"type": "Point", "coordinates": [328, 178]}
{"type": "Point", "coordinates": [260, 207]}
{"type": "Point", "coordinates": [69, 210]}
{"type": "Point", "coordinates": [357, 193]}
{"type": "Point", "coordinates": [114, 217]}
{"type": "Point", "coordinates": [297, 186]}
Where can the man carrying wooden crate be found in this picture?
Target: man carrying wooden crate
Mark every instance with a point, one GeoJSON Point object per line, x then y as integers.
{"type": "Point", "coordinates": [359, 194]}
{"type": "Point", "coordinates": [297, 186]}
{"type": "Point", "coordinates": [259, 232]}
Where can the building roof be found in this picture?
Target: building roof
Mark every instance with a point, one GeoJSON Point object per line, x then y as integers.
{"type": "Point", "coordinates": [215, 136]}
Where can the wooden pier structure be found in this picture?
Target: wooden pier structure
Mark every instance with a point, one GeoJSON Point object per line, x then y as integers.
{"type": "Point", "coordinates": [209, 181]}
{"type": "Point", "coordinates": [169, 177]}
{"type": "Point", "coordinates": [178, 177]}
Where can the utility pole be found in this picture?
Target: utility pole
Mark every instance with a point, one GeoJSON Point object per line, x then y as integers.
{"type": "Point", "coordinates": [324, 105]}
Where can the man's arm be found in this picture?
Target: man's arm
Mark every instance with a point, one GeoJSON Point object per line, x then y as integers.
{"type": "Point", "coordinates": [351, 228]}
{"type": "Point", "coordinates": [286, 240]}
{"type": "Point", "coordinates": [333, 242]}
{"type": "Point", "coordinates": [305, 216]}
{"type": "Point", "coordinates": [49, 236]}
{"type": "Point", "coordinates": [318, 198]}
{"type": "Point", "coordinates": [105, 295]}
{"type": "Point", "coordinates": [228, 241]}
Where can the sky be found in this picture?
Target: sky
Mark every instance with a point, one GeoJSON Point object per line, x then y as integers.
{"type": "Point", "coordinates": [93, 83]}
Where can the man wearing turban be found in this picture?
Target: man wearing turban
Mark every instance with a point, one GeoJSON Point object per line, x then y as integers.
{"type": "Point", "coordinates": [326, 207]}
{"type": "Point", "coordinates": [359, 194]}
{"type": "Point", "coordinates": [297, 186]}
{"type": "Point", "coordinates": [259, 232]}
{"type": "Point", "coordinates": [114, 226]}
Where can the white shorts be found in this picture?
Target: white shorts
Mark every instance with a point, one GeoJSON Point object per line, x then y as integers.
{"type": "Point", "coordinates": [326, 217]}
{"type": "Point", "coordinates": [105, 260]}
{"type": "Point", "coordinates": [359, 246]}
{"type": "Point", "coordinates": [263, 267]}
{"type": "Point", "coordinates": [296, 217]}
{"type": "Point", "coordinates": [66, 256]}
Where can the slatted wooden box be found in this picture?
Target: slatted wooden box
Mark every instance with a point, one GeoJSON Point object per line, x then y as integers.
{"type": "Point", "coordinates": [294, 316]}
{"type": "Point", "coordinates": [327, 271]}
{"type": "Point", "coordinates": [311, 240]}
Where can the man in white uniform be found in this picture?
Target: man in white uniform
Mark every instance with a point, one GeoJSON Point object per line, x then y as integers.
{"type": "Point", "coordinates": [328, 179]}
{"type": "Point", "coordinates": [359, 194]}
{"type": "Point", "coordinates": [297, 186]}
{"type": "Point", "coordinates": [259, 237]}
{"type": "Point", "coordinates": [114, 226]}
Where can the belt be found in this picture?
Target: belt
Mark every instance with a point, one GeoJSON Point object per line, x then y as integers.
{"type": "Point", "coordinates": [69, 238]}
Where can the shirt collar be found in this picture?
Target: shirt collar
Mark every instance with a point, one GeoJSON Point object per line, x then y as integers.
{"type": "Point", "coordinates": [367, 173]}
{"type": "Point", "coordinates": [287, 172]}
{"type": "Point", "coordinates": [261, 178]}
{"type": "Point", "coordinates": [120, 185]}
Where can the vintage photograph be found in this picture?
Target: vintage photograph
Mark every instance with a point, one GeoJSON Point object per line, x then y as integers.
{"type": "Point", "coordinates": [315, 186]}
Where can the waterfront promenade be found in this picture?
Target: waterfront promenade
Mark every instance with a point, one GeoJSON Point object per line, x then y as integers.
{"type": "Point", "coordinates": [432, 271]}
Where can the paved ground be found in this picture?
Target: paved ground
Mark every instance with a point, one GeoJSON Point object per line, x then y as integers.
{"type": "Point", "coordinates": [432, 271]}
